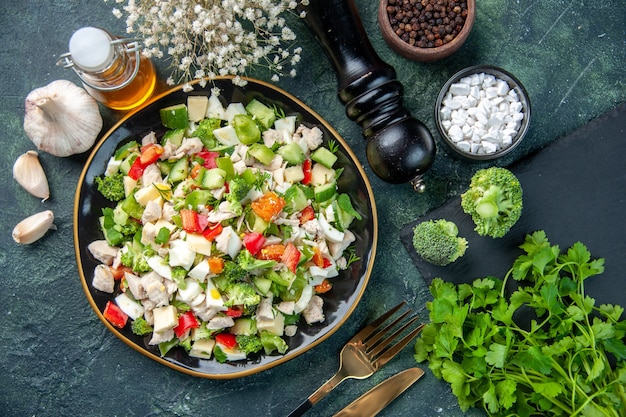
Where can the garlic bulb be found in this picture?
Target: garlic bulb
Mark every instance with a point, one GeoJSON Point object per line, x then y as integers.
{"type": "Point", "coordinates": [29, 173]}
{"type": "Point", "coordinates": [34, 227]}
{"type": "Point", "coordinates": [62, 118]}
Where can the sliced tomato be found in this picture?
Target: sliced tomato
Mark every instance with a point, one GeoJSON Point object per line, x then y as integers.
{"type": "Point", "coordinates": [325, 286]}
{"type": "Point", "coordinates": [291, 257]}
{"type": "Point", "coordinates": [234, 312]}
{"type": "Point", "coordinates": [268, 206]}
{"type": "Point", "coordinates": [212, 231]}
{"type": "Point", "coordinates": [115, 315]}
{"type": "Point", "coordinates": [118, 272]}
{"type": "Point", "coordinates": [272, 252]}
{"type": "Point", "coordinates": [253, 241]}
{"type": "Point", "coordinates": [186, 321]}
{"type": "Point", "coordinates": [189, 220]}
{"type": "Point", "coordinates": [307, 214]}
{"type": "Point", "coordinates": [306, 169]}
{"type": "Point", "coordinates": [227, 340]}
{"type": "Point", "coordinates": [209, 158]}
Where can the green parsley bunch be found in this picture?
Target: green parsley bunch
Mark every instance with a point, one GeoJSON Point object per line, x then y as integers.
{"type": "Point", "coordinates": [569, 359]}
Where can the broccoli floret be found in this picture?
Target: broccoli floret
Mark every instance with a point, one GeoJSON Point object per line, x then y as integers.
{"type": "Point", "coordinates": [247, 262]}
{"type": "Point", "coordinates": [233, 272]}
{"type": "Point", "coordinates": [437, 241]}
{"type": "Point", "coordinates": [204, 132]}
{"type": "Point", "coordinates": [140, 327]}
{"type": "Point", "coordinates": [111, 186]}
{"type": "Point", "coordinates": [249, 343]}
{"type": "Point", "coordinates": [241, 293]}
{"type": "Point", "coordinates": [238, 188]}
{"type": "Point", "coordinates": [134, 257]}
{"type": "Point", "coordinates": [494, 200]}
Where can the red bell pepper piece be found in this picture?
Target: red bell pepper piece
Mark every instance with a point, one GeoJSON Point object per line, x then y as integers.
{"type": "Point", "coordinates": [211, 232]}
{"type": "Point", "coordinates": [307, 214]}
{"type": "Point", "coordinates": [189, 220]}
{"type": "Point", "coordinates": [306, 170]}
{"type": "Point", "coordinates": [227, 340]}
{"type": "Point", "coordinates": [186, 321]}
{"type": "Point", "coordinates": [115, 315]}
{"type": "Point", "coordinates": [325, 286]}
{"type": "Point", "coordinates": [291, 257]}
{"type": "Point", "coordinates": [253, 241]}
{"type": "Point", "coordinates": [149, 155]}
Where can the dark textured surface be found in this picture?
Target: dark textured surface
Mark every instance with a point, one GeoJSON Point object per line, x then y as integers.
{"type": "Point", "coordinates": [57, 359]}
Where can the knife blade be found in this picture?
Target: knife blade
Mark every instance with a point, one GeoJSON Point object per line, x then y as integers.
{"type": "Point", "coordinates": [377, 398]}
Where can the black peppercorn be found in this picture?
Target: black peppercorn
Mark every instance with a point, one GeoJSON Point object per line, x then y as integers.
{"type": "Point", "coordinates": [427, 23]}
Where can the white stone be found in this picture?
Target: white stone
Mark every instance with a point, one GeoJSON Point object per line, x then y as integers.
{"type": "Point", "coordinates": [459, 89]}
{"type": "Point", "coordinates": [455, 133]}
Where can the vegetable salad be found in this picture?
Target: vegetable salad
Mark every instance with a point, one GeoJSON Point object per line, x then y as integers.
{"type": "Point", "coordinates": [225, 232]}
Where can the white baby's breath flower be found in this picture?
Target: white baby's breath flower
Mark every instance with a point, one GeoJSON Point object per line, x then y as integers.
{"type": "Point", "coordinates": [206, 38]}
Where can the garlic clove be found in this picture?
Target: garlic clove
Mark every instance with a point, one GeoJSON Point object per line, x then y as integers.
{"type": "Point", "coordinates": [34, 227]}
{"type": "Point", "coordinates": [62, 118]}
{"type": "Point", "coordinates": [29, 173]}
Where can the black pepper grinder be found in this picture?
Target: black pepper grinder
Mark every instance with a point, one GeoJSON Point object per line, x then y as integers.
{"type": "Point", "coordinates": [399, 148]}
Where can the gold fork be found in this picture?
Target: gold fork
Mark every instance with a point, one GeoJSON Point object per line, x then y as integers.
{"type": "Point", "coordinates": [366, 352]}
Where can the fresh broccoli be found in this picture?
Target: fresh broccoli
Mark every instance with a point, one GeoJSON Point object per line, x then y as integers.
{"type": "Point", "coordinates": [140, 327]}
{"type": "Point", "coordinates": [133, 256]}
{"type": "Point", "coordinates": [204, 132]}
{"type": "Point", "coordinates": [238, 188]}
{"type": "Point", "coordinates": [249, 343]}
{"type": "Point", "coordinates": [241, 293]}
{"type": "Point", "coordinates": [494, 200]}
{"type": "Point", "coordinates": [111, 186]}
{"type": "Point", "coordinates": [233, 271]}
{"type": "Point", "coordinates": [249, 263]}
{"type": "Point", "coordinates": [437, 241]}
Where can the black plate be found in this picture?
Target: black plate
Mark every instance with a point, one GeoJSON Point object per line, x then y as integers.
{"type": "Point", "coordinates": [348, 286]}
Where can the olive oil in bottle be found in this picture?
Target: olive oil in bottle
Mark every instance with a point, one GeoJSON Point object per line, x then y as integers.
{"type": "Point", "coordinates": [112, 69]}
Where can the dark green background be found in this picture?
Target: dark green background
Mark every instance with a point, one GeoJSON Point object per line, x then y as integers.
{"type": "Point", "coordinates": [57, 359]}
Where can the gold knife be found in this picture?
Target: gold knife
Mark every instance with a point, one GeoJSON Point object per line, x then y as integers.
{"type": "Point", "coordinates": [374, 400]}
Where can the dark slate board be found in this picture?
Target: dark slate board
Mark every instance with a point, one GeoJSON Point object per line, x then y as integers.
{"type": "Point", "coordinates": [575, 190]}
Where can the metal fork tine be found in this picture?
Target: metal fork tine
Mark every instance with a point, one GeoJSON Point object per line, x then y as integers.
{"type": "Point", "coordinates": [378, 334]}
{"type": "Point", "coordinates": [368, 330]}
{"type": "Point", "coordinates": [393, 351]}
{"type": "Point", "coordinates": [374, 350]}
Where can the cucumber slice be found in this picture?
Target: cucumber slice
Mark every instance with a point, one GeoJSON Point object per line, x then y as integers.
{"type": "Point", "coordinates": [325, 192]}
{"type": "Point", "coordinates": [174, 136]}
{"type": "Point", "coordinates": [295, 199]}
{"type": "Point", "coordinates": [179, 170]}
{"type": "Point", "coordinates": [261, 113]}
{"type": "Point", "coordinates": [214, 178]}
{"type": "Point", "coordinates": [247, 130]}
{"type": "Point", "coordinates": [226, 164]}
{"type": "Point", "coordinates": [263, 285]}
{"type": "Point", "coordinates": [175, 117]}
{"type": "Point", "coordinates": [261, 153]}
{"type": "Point", "coordinates": [324, 157]}
{"type": "Point", "coordinates": [292, 153]}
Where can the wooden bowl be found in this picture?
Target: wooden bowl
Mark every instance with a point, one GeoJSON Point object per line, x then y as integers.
{"type": "Point", "coordinates": [424, 54]}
